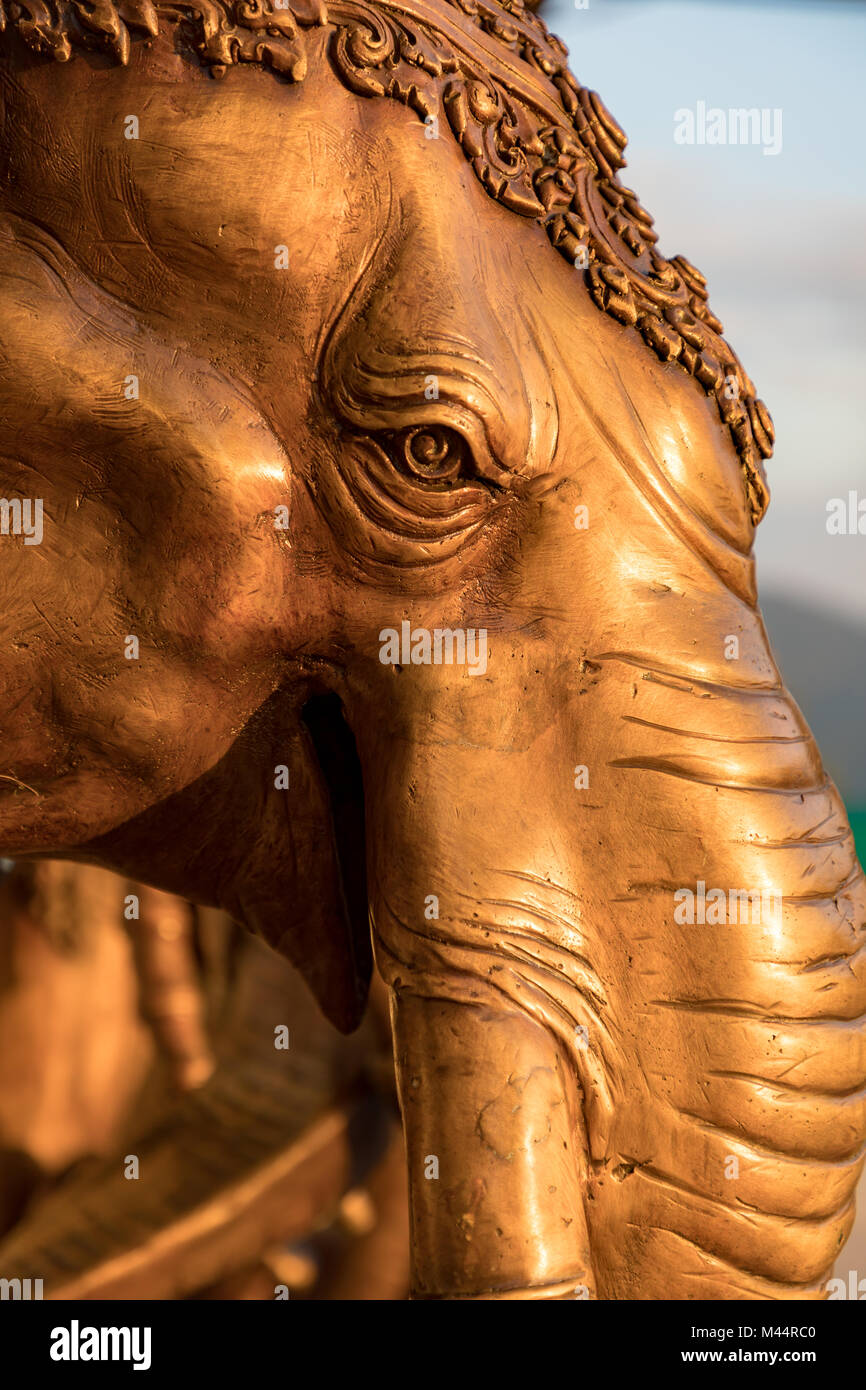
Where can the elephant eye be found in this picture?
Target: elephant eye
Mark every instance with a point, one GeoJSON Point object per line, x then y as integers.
{"type": "Point", "coordinates": [433, 453]}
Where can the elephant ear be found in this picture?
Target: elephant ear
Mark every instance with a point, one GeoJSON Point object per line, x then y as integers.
{"type": "Point", "coordinates": [273, 834]}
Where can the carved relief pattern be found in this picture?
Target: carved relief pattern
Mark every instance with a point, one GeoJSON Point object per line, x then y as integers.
{"type": "Point", "coordinates": [562, 175]}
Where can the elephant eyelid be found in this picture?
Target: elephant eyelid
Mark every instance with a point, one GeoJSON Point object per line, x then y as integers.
{"type": "Point", "coordinates": [442, 443]}
{"type": "Point", "coordinates": [438, 455]}
{"type": "Point", "coordinates": [418, 480]}
{"type": "Point", "coordinates": [410, 395]}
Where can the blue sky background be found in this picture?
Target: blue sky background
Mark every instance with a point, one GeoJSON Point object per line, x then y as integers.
{"type": "Point", "coordinates": [781, 239]}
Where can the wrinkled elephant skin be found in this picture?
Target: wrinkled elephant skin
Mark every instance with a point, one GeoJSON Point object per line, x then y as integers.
{"type": "Point", "coordinates": [329, 312]}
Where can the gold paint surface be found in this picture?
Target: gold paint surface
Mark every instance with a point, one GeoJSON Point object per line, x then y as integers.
{"type": "Point", "coordinates": [435, 547]}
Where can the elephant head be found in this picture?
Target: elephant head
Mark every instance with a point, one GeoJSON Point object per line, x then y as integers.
{"type": "Point", "coordinates": [396, 504]}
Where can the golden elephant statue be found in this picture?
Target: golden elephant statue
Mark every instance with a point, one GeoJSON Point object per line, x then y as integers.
{"type": "Point", "coordinates": [378, 551]}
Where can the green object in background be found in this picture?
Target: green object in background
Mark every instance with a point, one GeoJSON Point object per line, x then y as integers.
{"type": "Point", "coordinates": [858, 825]}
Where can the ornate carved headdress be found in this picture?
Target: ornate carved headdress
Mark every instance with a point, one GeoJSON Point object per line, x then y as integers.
{"type": "Point", "coordinates": [539, 143]}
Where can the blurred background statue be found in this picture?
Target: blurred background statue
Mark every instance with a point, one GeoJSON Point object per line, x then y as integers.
{"type": "Point", "coordinates": [177, 1119]}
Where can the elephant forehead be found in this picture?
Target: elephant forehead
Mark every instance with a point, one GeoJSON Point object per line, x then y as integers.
{"type": "Point", "coordinates": [246, 211]}
{"type": "Point", "coordinates": [247, 199]}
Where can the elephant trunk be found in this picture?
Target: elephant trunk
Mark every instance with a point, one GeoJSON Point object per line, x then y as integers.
{"type": "Point", "coordinates": [583, 1045]}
